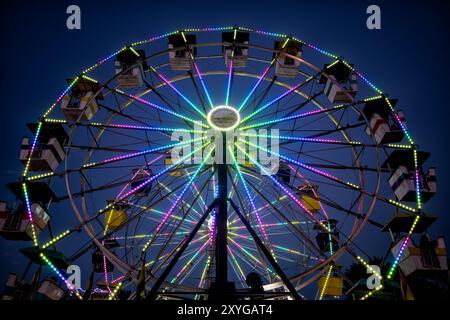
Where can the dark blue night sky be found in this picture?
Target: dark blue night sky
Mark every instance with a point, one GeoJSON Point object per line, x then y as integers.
{"type": "Point", "coordinates": [408, 59]}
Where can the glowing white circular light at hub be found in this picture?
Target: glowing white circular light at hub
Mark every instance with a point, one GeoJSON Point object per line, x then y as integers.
{"type": "Point", "coordinates": [223, 118]}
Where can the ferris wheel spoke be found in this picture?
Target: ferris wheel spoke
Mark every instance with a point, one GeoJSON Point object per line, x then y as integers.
{"type": "Point", "coordinates": [238, 271]}
{"type": "Point", "coordinates": [255, 86]}
{"type": "Point", "coordinates": [229, 81]}
{"type": "Point", "coordinates": [153, 105]}
{"type": "Point", "coordinates": [199, 74]}
{"type": "Point", "coordinates": [265, 106]}
{"type": "Point", "coordinates": [302, 236]}
{"type": "Point", "coordinates": [285, 108]}
{"type": "Point", "coordinates": [309, 168]}
{"type": "Point", "coordinates": [190, 265]}
{"type": "Point", "coordinates": [134, 155]}
{"type": "Point", "coordinates": [180, 196]}
{"type": "Point", "coordinates": [146, 182]}
{"type": "Point", "coordinates": [266, 241]}
{"type": "Point", "coordinates": [135, 127]}
{"type": "Point", "coordinates": [249, 197]}
{"type": "Point", "coordinates": [172, 234]}
{"type": "Point", "coordinates": [295, 139]}
{"type": "Point", "coordinates": [299, 116]}
{"type": "Point", "coordinates": [169, 83]}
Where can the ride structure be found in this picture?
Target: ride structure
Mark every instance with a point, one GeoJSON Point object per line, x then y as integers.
{"type": "Point", "coordinates": [123, 179]}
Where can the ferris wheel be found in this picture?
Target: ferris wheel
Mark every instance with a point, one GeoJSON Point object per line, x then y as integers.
{"type": "Point", "coordinates": [130, 176]}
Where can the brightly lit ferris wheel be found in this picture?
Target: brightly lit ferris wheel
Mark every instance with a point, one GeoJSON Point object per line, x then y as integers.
{"type": "Point", "coordinates": [102, 190]}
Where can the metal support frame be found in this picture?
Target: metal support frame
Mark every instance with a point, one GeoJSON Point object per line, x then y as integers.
{"type": "Point", "coordinates": [266, 252]}
{"type": "Point", "coordinates": [177, 256]}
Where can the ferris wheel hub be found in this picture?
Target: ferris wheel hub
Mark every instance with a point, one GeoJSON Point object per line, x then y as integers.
{"type": "Point", "coordinates": [223, 118]}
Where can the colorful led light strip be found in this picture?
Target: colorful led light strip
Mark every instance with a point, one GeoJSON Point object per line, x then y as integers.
{"type": "Point", "coordinates": [330, 141]}
{"type": "Point", "coordinates": [230, 75]}
{"type": "Point", "coordinates": [284, 189]}
{"type": "Point", "coordinates": [178, 92]}
{"type": "Point", "coordinates": [365, 264]}
{"type": "Point", "coordinates": [186, 187]}
{"type": "Point", "coordinates": [134, 127]}
{"type": "Point", "coordinates": [202, 82]}
{"type": "Point", "coordinates": [89, 78]}
{"type": "Point", "coordinates": [398, 146]}
{"type": "Point", "coordinates": [249, 197]}
{"type": "Point", "coordinates": [367, 295]}
{"type": "Point", "coordinates": [319, 172]}
{"type": "Point", "coordinates": [161, 108]}
{"type": "Point", "coordinates": [197, 70]}
{"type": "Point", "coordinates": [236, 263]}
{"type": "Point", "coordinates": [401, 205]}
{"type": "Point", "coordinates": [161, 172]}
{"type": "Point", "coordinates": [322, 292]}
{"type": "Point", "coordinates": [69, 286]}
{"type": "Point", "coordinates": [137, 172]}
{"type": "Point", "coordinates": [30, 214]}
{"type": "Point", "coordinates": [41, 176]}
{"type": "Point", "coordinates": [153, 177]}
{"type": "Point", "coordinates": [295, 116]}
{"type": "Point", "coordinates": [399, 122]}
{"type": "Point", "coordinates": [105, 270]}
{"type": "Point", "coordinates": [114, 292]}
{"type": "Point", "coordinates": [59, 98]}
{"type": "Point", "coordinates": [255, 259]}
{"type": "Point", "coordinates": [55, 239]}
{"type": "Point", "coordinates": [33, 146]}
{"type": "Point", "coordinates": [256, 85]}
{"type": "Point", "coordinates": [189, 263]}
{"type": "Point", "coordinates": [402, 249]}
{"type": "Point", "coordinates": [137, 154]}
{"type": "Point", "coordinates": [276, 100]}
{"type": "Point", "coordinates": [417, 181]}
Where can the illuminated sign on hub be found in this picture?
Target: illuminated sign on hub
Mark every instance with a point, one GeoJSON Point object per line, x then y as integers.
{"type": "Point", "coordinates": [223, 118]}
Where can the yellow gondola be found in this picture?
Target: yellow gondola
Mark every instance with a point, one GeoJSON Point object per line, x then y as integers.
{"type": "Point", "coordinates": [174, 172]}
{"type": "Point", "coordinates": [116, 216]}
{"type": "Point", "coordinates": [334, 286]}
{"type": "Point", "coordinates": [309, 197]}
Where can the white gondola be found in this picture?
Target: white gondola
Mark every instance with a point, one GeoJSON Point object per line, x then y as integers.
{"type": "Point", "coordinates": [50, 290]}
{"type": "Point", "coordinates": [403, 182]}
{"type": "Point", "coordinates": [17, 225]}
{"type": "Point", "coordinates": [427, 256]}
{"type": "Point", "coordinates": [140, 176]}
{"type": "Point", "coordinates": [180, 58]}
{"type": "Point", "coordinates": [340, 93]}
{"type": "Point", "coordinates": [387, 130]}
{"type": "Point", "coordinates": [286, 66]}
{"type": "Point", "coordinates": [385, 125]}
{"type": "Point", "coordinates": [46, 155]}
{"type": "Point", "coordinates": [235, 48]}
{"type": "Point", "coordinates": [73, 106]}
{"type": "Point", "coordinates": [341, 84]}
{"type": "Point", "coordinates": [130, 68]}
{"type": "Point", "coordinates": [403, 163]}
{"type": "Point", "coordinates": [80, 103]}
{"type": "Point", "coordinates": [14, 288]}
